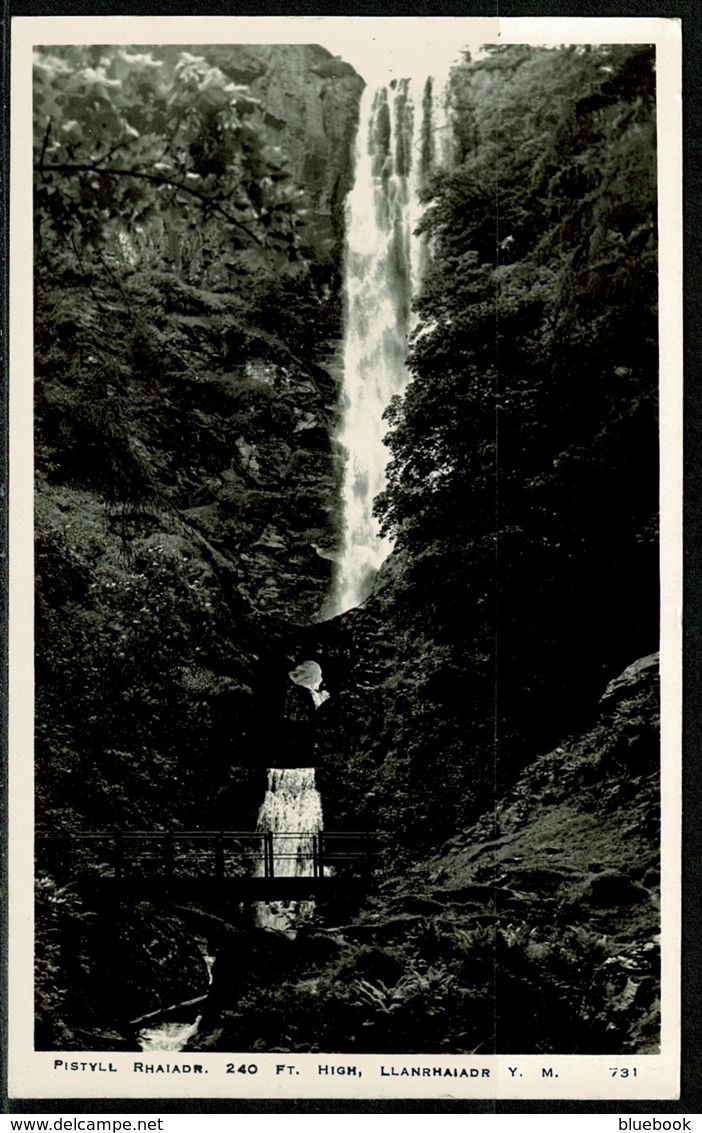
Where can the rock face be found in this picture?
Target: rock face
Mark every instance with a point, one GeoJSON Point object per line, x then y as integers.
{"type": "Point", "coordinates": [311, 104]}
{"type": "Point", "coordinates": [265, 397]}
{"type": "Point", "coordinates": [272, 503]}
{"type": "Point", "coordinates": [268, 395]}
{"type": "Point", "coordinates": [282, 485]}
{"type": "Point", "coordinates": [627, 681]}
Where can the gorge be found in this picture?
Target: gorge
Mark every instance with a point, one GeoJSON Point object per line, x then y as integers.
{"type": "Point", "coordinates": [206, 552]}
{"type": "Point", "coordinates": [397, 152]}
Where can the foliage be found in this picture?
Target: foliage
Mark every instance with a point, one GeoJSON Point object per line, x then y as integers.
{"type": "Point", "coordinates": [156, 636]}
{"type": "Point", "coordinates": [170, 239]}
{"type": "Point", "coordinates": [130, 147]}
{"type": "Point", "coordinates": [448, 986]}
{"type": "Point", "coordinates": [523, 482]}
{"type": "Point", "coordinates": [59, 913]}
{"type": "Point", "coordinates": [100, 964]}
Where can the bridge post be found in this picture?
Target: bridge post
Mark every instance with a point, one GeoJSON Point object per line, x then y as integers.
{"type": "Point", "coordinates": [319, 842]}
{"type": "Point", "coordinates": [219, 855]}
{"type": "Point", "coordinates": [269, 867]}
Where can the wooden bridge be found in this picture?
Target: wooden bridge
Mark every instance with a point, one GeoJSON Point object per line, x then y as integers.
{"type": "Point", "coordinates": [248, 866]}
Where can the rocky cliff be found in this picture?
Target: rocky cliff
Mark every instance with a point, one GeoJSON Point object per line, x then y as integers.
{"type": "Point", "coordinates": [310, 101]}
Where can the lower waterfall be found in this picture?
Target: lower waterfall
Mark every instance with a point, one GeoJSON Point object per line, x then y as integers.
{"type": "Point", "coordinates": [169, 1035]}
{"type": "Point", "coordinates": [292, 812]}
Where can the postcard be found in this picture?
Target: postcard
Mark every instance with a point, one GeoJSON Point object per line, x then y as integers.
{"type": "Point", "coordinates": [345, 551]}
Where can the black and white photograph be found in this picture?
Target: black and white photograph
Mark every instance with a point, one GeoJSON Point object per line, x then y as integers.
{"type": "Point", "coordinates": [349, 634]}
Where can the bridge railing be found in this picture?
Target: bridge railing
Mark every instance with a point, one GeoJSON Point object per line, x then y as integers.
{"type": "Point", "coordinates": [207, 854]}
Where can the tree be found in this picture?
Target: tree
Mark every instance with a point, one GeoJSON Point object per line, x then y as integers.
{"type": "Point", "coordinates": [129, 147]}
{"type": "Point", "coordinates": [523, 489]}
{"type": "Point", "coordinates": [170, 236]}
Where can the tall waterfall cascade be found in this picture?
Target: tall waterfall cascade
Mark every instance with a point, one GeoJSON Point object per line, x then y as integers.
{"type": "Point", "coordinates": [404, 135]}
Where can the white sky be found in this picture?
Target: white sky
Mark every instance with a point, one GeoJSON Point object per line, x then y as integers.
{"type": "Point", "coordinates": [378, 47]}
{"type": "Point", "coordinates": [384, 47]}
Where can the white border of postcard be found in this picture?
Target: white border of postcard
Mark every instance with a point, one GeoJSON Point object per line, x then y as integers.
{"type": "Point", "coordinates": [91, 1074]}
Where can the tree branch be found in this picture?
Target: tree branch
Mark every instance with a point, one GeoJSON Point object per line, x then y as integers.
{"type": "Point", "coordinates": [155, 179]}
{"type": "Point", "coordinates": [107, 156]}
{"type": "Point", "coordinates": [47, 135]}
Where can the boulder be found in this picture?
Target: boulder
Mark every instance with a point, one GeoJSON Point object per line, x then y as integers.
{"type": "Point", "coordinates": [633, 675]}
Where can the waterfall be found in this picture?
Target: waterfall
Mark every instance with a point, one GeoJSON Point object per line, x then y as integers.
{"type": "Point", "coordinates": [174, 1035]}
{"type": "Point", "coordinates": [292, 812]}
{"type": "Point", "coordinates": [168, 1036]}
{"type": "Point", "coordinates": [404, 134]}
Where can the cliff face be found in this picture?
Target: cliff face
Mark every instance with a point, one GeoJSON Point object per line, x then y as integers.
{"type": "Point", "coordinates": [310, 101]}
{"type": "Point", "coordinates": [284, 475]}
{"type": "Point", "coordinates": [240, 444]}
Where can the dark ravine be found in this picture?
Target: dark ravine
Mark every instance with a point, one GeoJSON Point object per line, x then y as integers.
{"type": "Point", "coordinates": [573, 921]}
{"type": "Point", "coordinates": [188, 482]}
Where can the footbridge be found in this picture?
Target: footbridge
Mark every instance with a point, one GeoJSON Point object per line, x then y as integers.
{"type": "Point", "coordinates": [245, 865]}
